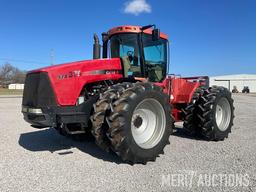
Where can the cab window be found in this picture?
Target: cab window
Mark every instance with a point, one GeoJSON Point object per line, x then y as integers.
{"type": "Point", "coordinates": [155, 53]}
{"type": "Point", "coordinates": [126, 47]}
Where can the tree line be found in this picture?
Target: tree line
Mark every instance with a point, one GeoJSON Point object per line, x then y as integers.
{"type": "Point", "coordinates": [10, 74]}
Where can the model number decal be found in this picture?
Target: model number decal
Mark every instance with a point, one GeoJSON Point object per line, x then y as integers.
{"type": "Point", "coordinates": [70, 74]}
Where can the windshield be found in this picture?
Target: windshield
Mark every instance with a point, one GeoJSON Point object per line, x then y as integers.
{"type": "Point", "coordinates": [126, 47]}
{"type": "Point", "coordinates": [155, 54]}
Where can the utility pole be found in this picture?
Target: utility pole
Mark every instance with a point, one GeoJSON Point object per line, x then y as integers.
{"type": "Point", "coordinates": [52, 56]}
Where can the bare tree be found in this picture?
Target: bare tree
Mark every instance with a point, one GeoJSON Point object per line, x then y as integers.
{"type": "Point", "coordinates": [19, 76]}
{"type": "Point", "coordinates": [10, 74]}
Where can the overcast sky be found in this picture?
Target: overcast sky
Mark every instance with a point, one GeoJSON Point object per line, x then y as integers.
{"type": "Point", "coordinates": [208, 37]}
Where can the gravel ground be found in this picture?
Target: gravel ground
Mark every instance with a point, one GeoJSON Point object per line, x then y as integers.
{"type": "Point", "coordinates": [42, 160]}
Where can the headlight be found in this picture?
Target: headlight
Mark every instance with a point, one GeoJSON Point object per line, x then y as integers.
{"type": "Point", "coordinates": [36, 111]}
{"type": "Point", "coordinates": [25, 109]}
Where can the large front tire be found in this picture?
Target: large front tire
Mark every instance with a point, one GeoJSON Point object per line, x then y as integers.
{"type": "Point", "coordinates": [140, 123]}
{"type": "Point", "coordinates": [101, 109]}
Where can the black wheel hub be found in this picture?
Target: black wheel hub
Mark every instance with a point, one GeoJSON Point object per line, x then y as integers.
{"type": "Point", "coordinates": [138, 122]}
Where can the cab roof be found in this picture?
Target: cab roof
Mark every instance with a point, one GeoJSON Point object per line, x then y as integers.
{"type": "Point", "coordinates": [133, 29]}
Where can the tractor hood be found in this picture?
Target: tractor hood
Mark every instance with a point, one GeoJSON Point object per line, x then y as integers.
{"type": "Point", "coordinates": [85, 65]}
{"type": "Point", "coordinates": [67, 80]}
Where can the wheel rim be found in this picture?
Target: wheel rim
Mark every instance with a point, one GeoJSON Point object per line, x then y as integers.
{"type": "Point", "coordinates": [223, 114]}
{"type": "Point", "coordinates": [148, 123]}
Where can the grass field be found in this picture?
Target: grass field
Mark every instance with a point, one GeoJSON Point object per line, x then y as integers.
{"type": "Point", "coordinates": [4, 91]}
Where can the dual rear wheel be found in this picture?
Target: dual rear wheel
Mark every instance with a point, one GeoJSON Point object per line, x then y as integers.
{"type": "Point", "coordinates": [210, 113]}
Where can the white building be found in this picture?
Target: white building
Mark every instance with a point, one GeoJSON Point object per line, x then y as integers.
{"type": "Point", "coordinates": [239, 80]}
{"type": "Point", "coordinates": [16, 86]}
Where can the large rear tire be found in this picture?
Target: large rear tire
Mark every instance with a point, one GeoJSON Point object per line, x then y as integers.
{"type": "Point", "coordinates": [215, 113]}
{"type": "Point", "coordinates": [140, 123]}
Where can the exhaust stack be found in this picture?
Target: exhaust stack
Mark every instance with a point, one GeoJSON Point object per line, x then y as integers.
{"type": "Point", "coordinates": [96, 47]}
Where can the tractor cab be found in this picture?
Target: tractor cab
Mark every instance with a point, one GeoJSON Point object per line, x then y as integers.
{"type": "Point", "coordinates": [143, 51]}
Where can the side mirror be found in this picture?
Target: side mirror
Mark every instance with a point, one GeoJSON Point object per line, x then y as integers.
{"type": "Point", "coordinates": [155, 34]}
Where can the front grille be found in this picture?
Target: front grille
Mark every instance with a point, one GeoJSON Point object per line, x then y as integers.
{"type": "Point", "coordinates": [38, 91]}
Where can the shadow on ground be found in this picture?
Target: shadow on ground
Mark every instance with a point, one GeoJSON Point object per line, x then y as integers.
{"type": "Point", "coordinates": [50, 140]}
{"type": "Point", "coordinates": [179, 132]}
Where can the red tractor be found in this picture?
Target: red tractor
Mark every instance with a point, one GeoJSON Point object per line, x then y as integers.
{"type": "Point", "coordinates": [126, 99]}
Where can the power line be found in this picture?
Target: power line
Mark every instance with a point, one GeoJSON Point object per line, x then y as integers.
{"type": "Point", "coordinates": [23, 61]}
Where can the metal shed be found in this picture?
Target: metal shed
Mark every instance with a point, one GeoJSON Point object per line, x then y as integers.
{"type": "Point", "coordinates": [16, 86]}
{"type": "Point", "coordinates": [239, 80]}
